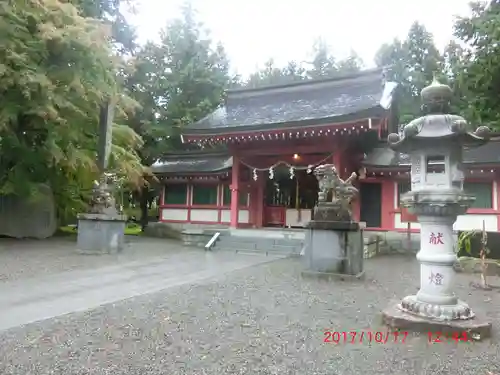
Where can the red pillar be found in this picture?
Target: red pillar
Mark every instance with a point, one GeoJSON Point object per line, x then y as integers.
{"type": "Point", "coordinates": [355, 207]}
{"type": "Point", "coordinates": [388, 193]}
{"type": "Point", "coordinates": [337, 158]}
{"type": "Point", "coordinates": [259, 201]}
{"type": "Point", "coordinates": [235, 179]}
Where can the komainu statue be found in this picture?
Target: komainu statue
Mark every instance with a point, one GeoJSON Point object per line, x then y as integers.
{"type": "Point", "coordinates": [102, 199]}
{"type": "Point", "coordinates": [342, 192]}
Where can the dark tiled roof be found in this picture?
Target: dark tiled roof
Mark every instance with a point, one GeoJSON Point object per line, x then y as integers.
{"type": "Point", "coordinates": [383, 157]}
{"type": "Point", "coordinates": [298, 104]}
{"type": "Point", "coordinates": [193, 164]}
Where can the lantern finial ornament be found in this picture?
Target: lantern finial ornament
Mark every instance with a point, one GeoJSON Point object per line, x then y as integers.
{"type": "Point", "coordinates": [436, 97]}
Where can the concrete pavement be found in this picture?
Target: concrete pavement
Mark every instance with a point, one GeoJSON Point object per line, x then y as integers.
{"type": "Point", "coordinates": [28, 300]}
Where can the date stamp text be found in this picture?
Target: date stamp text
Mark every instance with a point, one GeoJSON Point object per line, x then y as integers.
{"type": "Point", "coordinates": [360, 337]}
{"type": "Point", "coordinates": [442, 337]}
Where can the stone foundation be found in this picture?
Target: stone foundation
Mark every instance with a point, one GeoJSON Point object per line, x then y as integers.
{"type": "Point", "coordinates": [476, 329]}
{"type": "Point", "coordinates": [100, 233]}
{"type": "Point", "coordinates": [334, 247]}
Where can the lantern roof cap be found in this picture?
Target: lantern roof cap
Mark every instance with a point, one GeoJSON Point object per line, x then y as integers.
{"type": "Point", "coordinates": [436, 92]}
{"type": "Point", "coordinates": [437, 124]}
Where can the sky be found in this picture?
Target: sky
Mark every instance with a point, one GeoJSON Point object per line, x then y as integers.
{"type": "Point", "coordinates": [254, 31]}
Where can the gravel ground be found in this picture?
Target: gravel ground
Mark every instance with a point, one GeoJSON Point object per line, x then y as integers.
{"type": "Point", "coordinates": [262, 320]}
{"type": "Point", "coordinates": [28, 258]}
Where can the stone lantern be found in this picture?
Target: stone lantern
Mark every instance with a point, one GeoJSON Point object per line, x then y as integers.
{"type": "Point", "coordinates": [435, 143]}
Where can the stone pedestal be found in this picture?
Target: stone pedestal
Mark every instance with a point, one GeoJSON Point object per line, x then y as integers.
{"type": "Point", "coordinates": [475, 329]}
{"type": "Point", "coordinates": [334, 249]}
{"type": "Point", "coordinates": [435, 306]}
{"type": "Point", "coordinates": [101, 233]}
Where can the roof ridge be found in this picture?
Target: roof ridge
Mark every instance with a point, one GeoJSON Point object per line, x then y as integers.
{"type": "Point", "coordinates": [195, 153]}
{"type": "Point", "coordinates": [341, 77]}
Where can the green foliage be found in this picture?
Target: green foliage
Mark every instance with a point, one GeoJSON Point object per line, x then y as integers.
{"type": "Point", "coordinates": [471, 65]}
{"type": "Point", "coordinates": [136, 212]}
{"type": "Point", "coordinates": [178, 81]}
{"type": "Point", "coordinates": [412, 63]}
{"type": "Point", "coordinates": [56, 68]}
{"type": "Point", "coordinates": [465, 240]}
{"type": "Point", "coordinates": [131, 229]}
{"type": "Point", "coordinates": [323, 65]}
{"type": "Point", "coordinates": [273, 75]}
{"type": "Point", "coordinates": [480, 75]}
{"type": "Point", "coordinates": [109, 11]}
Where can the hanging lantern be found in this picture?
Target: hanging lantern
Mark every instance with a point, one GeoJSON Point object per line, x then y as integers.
{"type": "Point", "coordinates": [292, 173]}
{"type": "Point", "coordinates": [271, 173]}
{"type": "Point", "coordinates": [255, 174]}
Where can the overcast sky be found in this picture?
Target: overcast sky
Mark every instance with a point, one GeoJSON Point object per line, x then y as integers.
{"type": "Point", "coordinates": [254, 31]}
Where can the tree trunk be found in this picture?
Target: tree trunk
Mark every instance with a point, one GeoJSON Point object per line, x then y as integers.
{"type": "Point", "coordinates": [143, 203]}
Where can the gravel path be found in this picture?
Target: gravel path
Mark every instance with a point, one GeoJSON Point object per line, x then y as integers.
{"type": "Point", "coordinates": [29, 258]}
{"type": "Point", "coordinates": [262, 320]}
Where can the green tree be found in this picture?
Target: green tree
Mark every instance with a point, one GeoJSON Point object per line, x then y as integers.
{"type": "Point", "coordinates": [455, 60]}
{"type": "Point", "coordinates": [273, 75]}
{"type": "Point", "coordinates": [294, 71]}
{"type": "Point", "coordinates": [56, 68]}
{"type": "Point", "coordinates": [177, 81]}
{"type": "Point", "coordinates": [352, 64]}
{"type": "Point", "coordinates": [412, 63]}
{"type": "Point", "coordinates": [394, 56]}
{"type": "Point", "coordinates": [196, 75]}
{"type": "Point", "coordinates": [323, 64]}
{"type": "Point", "coordinates": [423, 58]}
{"type": "Point", "coordinates": [480, 76]}
{"type": "Point", "coordinates": [146, 83]}
{"type": "Point", "coordinates": [110, 13]}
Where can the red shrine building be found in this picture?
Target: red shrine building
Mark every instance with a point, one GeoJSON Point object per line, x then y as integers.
{"type": "Point", "coordinates": [271, 139]}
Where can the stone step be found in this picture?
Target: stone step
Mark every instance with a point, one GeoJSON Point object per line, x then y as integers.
{"type": "Point", "coordinates": [272, 241]}
{"type": "Point", "coordinates": [283, 250]}
{"type": "Point", "coordinates": [258, 245]}
{"type": "Point", "coordinates": [402, 245]}
{"type": "Point", "coordinates": [258, 252]}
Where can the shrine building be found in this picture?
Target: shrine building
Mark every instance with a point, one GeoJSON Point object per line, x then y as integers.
{"type": "Point", "coordinates": [260, 147]}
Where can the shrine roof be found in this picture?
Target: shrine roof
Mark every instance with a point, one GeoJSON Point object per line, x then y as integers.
{"type": "Point", "coordinates": [193, 162]}
{"type": "Point", "coordinates": [308, 103]}
{"type": "Point", "coordinates": [384, 157]}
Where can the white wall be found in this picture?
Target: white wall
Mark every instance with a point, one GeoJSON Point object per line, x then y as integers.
{"type": "Point", "coordinates": [464, 222]}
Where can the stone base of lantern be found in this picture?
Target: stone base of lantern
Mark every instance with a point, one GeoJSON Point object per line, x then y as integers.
{"type": "Point", "coordinates": [458, 311]}
{"type": "Point", "coordinates": [476, 328]}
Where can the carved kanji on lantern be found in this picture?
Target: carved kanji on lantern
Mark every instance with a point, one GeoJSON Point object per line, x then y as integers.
{"type": "Point", "coordinates": [436, 278]}
{"type": "Point", "coordinates": [436, 239]}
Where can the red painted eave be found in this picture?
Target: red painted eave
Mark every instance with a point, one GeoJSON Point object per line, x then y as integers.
{"type": "Point", "coordinates": [365, 124]}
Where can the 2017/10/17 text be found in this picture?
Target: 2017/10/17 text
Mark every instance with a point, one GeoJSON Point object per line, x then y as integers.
{"type": "Point", "coordinates": [359, 337]}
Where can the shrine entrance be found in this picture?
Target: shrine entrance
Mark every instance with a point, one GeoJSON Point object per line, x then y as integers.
{"type": "Point", "coordinates": [289, 200]}
{"type": "Point", "coordinates": [370, 196]}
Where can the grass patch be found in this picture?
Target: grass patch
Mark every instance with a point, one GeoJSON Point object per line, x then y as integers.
{"type": "Point", "coordinates": [131, 229]}
{"type": "Point", "coordinates": [136, 212]}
